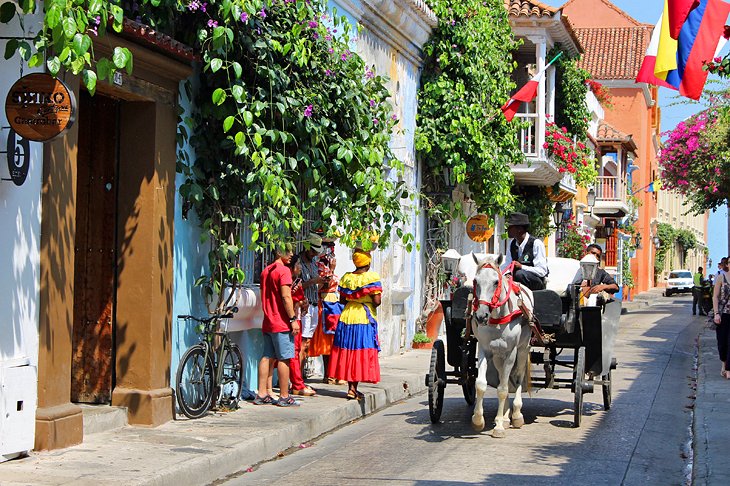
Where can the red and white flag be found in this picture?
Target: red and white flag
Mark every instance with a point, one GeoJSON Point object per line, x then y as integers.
{"type": "Point", "coordinates": [526, 93]}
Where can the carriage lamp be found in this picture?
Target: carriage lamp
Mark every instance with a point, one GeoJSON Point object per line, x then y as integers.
{"type": "Point", "coordinates": [610, 227]}
{"type": "Point", "coordinates": [591, 198]}
{"type": "Point", "coordinates": [588, 266]}
{"type": "Point", "coordinates": [558, 214]}
{"type": "Point", "coordinates": [450, 259]}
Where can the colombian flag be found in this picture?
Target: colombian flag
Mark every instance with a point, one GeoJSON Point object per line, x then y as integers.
{"type": "Point", "coordinates": [679, 63]}
{"type": "Point", "coordinates": [677, 12]}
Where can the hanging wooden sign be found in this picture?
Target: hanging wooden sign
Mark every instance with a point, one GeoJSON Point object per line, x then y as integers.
{"type": "Point", "coordinates": [479, 228]}
{"type": "Point", "coordinates": [40, 107]}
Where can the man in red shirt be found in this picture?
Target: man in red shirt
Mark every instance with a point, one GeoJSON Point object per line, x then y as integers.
{"type": "Point", "coordinates": [279, 327]}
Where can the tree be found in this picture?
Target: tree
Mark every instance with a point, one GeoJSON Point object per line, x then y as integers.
{"type": "Point", "coordinates": [466, 78]}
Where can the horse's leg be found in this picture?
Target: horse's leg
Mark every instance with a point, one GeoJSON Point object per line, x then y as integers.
{"type": "Point", "coordinates": [477, 419]}
{"type": "Point", "coordinates": [504, 367]}
{"type": "Point", "coordinates": [522, 362]}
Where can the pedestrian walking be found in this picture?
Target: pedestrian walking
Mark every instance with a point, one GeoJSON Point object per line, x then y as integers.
{"type": "Point", "coordinates": [355, 348]}
{"type": "Point", "coordinates": [721, 307]}
{"type": "Point", "coordinates": [527, 253]}
{"type": "Point", "coordinates": [697, 298]}
{"type": "Point", "coordinates": [279, 328]}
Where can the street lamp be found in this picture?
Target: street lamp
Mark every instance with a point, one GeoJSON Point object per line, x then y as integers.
{"type": "Point", "coordinates": [558, 214]}
{"type": "Point", "coordinates": [591, 198]}
{"type": "Point", "coordinates": [609, 227]}
{"type": "Point", "coordinates": [450, 260]}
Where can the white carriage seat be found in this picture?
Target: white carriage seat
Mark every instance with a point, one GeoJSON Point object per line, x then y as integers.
{"type": "Point", "coordinates": [562, 273]}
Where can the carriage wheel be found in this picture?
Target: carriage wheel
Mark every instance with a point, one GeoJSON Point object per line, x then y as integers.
{"type": "Point", "coordinates": [468, 372]}
{"type": "Point", "coordinates": [579, 377]}
{"type": "Point", "coordinates": [436, 381]}
{"type": "Point", "coordinates": [606, 390]}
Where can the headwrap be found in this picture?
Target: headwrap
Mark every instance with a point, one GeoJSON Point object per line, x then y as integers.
{"type": "Point", "coordinates": [361, 258]}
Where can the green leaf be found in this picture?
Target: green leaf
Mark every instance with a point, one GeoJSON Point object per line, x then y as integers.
{"type": "Point", "coordinates": [24, 50]}
{"type": "Point", "coordinates": [53, 16]}
{"type": "Point", "coordinates": [53, 65]}
{"type": "Point", "coordinates": [248, 118]}
{"type": "Point", "coordinates": [103, 68]}
{"type": "Point", "coordinates": [89, 78]}
{"type": "Point", "coordinates": [81, 44]}
{"type": "Point", "coordinates": [237, 69]}
{"type": "Point", "coordinates": [257, 139]}
{"type": "Point", "coordinates": [10, 48]}
{"type": "Point", "coordinates": [95, 6]}
{"type": "Point", "coordinates": [35, 60]}
{"type": "Point", "coordinates": [237, 91]}
{"type": "Point", "coordinates": [219, 96]}
{"type": "Point", "coordinates": [228, 123]}
{"type": "Point", "coordinates": [216, 64]}
{"type": "Point", "coordinates": [119, 57]}
{"type": "Point", "coordinates": [118, 15]}
{"type": "Point", "coordinates": [69, 27]}
{"type": "Point", "coordinates": [7, 12]}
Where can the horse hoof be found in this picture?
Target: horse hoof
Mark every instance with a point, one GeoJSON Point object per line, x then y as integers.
{"type": "Point", "coordinates": [499, 433]}
{"type": "Point", "coordinates": [478, 426]}
{"type": "Point", "coordinates": [518, 423]}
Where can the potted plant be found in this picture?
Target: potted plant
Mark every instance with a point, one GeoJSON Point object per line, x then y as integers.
{"type": "Point", "coordinates": [421, 341]}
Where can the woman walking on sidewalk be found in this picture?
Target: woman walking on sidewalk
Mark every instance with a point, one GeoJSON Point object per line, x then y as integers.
{"type": "Point", "coordinates": [721, 306]}
{"type": "Point", "coordinates": [355, 349]}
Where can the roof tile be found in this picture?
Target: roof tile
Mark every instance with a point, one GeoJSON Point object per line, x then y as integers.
{"type": "Point", "coordinates": [614, 52]}
{"type": "Point", "coordinates": [528, 8]}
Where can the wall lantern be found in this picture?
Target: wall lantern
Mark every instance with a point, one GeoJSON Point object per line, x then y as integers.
{"type": "Point", "coordinates": [591, 198]}
{"type": "Point", "coordinates": [450, 260]}
{"type": "Point", "coordinates": [657, 242]}
{"type": "Point", "coordinates": [637, 241]}
{"type": "Point", "coordinates": [610, 227]}
{"type": "Point", "coordinates": [558, 214]}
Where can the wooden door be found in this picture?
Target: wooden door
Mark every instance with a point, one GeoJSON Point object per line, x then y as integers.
{"type": "Point", "coordinates": [95, 267]}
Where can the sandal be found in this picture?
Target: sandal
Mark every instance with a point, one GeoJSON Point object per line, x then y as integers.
{"type": "Point", "coordinates": [267, 400]}
{"type": "Point", "coordinates": [286, 402]}
{"type": "Point", "coordinates": [351, 395]}
{"type": "Point", "coordinates": [305, 392]}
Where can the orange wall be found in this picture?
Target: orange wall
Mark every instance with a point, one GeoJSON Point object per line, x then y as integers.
{"type": "Point", "coordinates": [595, 13]}
{"type": "Point", "coordinates": [631, 115]}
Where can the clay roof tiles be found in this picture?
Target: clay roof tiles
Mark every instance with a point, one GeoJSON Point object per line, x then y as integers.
{"type": "Point", "coordinates": [528, 8]}
{"type": "Point", "coordinates": [614, 52]}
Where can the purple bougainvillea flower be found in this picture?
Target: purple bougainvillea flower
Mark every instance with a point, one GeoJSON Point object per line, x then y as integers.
{"type": "Point", "coordinates": [328, 73]}
{"type": "Point", "coordinates": [212, 23]}
{"type": "Point", "coordinates": [372, 103]}
{"type": "Point", "coordinates": [313, 24]}
{"type": "Point", "coordinates": [244, 17]}
{"type": "Point", "coordinates": [308, 111]}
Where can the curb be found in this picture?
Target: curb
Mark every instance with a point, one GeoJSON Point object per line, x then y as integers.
{"type": "Point", "coordinates": [208, 468]}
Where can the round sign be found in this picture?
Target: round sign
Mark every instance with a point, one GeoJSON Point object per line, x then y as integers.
{"type": "Point", "coordinates": [40, 107]}
{"type": "Point", "coordinates": [479, 228]}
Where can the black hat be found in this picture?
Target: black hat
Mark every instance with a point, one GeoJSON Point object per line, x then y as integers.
{"type": "Point", "coordinates": [518, 219]}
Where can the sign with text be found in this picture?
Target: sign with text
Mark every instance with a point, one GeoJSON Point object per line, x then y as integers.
{"type": "Point", "coordinates": [479, 228]}
{"type": "Point", "coordinates": [40, 107]}
{"type": "Point", "coordinates": [18, 155]}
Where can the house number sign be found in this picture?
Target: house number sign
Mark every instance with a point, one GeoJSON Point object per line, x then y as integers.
{"type": "Point", "coordinates": [40, 107]}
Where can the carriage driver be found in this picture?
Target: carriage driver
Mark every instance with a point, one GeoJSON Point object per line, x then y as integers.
{"type": "Point", "coordinates": [527, 253]}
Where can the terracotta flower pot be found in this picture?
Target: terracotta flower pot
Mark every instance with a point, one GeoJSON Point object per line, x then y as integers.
{"type": "Point", "coordinates": [433, 323]}
{"type": "Point", "coordinates": [422, 345]}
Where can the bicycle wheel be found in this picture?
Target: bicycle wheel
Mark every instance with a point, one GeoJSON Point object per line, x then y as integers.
{"type": "Point", "coordinates": [231, 381]}
{"type": "Point", "coordinates": [194, 382]}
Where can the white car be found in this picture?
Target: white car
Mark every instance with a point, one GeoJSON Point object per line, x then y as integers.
{"type": "Point", "coordinates": [679, 281]}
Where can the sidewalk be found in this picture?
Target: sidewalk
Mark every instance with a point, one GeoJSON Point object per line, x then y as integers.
{"type": "Point", "coordinates": [188, 452]}
{"type": "Point", "coordinates": [711, 424]}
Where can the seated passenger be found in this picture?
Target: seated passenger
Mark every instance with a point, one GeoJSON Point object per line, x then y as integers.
{"type": "Point", "coordinates": [602, 282]}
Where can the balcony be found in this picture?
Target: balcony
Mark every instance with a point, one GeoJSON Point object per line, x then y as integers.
{"type": "Point", "coordinates": [611, 197]}
{"type": "Point", "coordinates": [538, 169]}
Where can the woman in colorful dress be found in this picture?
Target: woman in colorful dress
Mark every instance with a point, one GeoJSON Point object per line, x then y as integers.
{"type": "Point", "coordinates": [354, 356]}
{"type": "Point", "coordinates": [329, 299]}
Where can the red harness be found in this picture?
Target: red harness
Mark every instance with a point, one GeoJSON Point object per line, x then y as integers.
{"type": "Point", "coordinates": [495, 303]}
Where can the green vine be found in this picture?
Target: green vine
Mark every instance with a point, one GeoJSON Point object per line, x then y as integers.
{"type": "Point", "coordinates": [535, 202]}
{"type": "Point", "coordinates": [571, 90]}
{"type": "Point", "coordinates": [466, 78]}
{"type": "Point", "coordinates": [626, 275]}
{"type": "Point", "coordinates": [687, 240]}
{"type": "Point", "coordinates": [667, 237]}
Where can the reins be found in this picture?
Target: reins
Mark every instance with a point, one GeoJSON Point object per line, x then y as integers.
{"type": "Point", "coordinates": [495, 302]}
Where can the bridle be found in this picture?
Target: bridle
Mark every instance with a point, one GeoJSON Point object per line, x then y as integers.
{"type": "Point", "coordinates": [504, 281]}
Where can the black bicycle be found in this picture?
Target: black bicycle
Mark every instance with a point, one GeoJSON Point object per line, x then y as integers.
{"type": "Point", "coordinates": [210, 373]}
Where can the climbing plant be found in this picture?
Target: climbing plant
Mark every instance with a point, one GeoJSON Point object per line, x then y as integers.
{"type": "Point", "coordinates": [686, 240]}
{"type": "Point", "coordinates": [571, 110]}
{"type": "Point", "coordinates": [535, 202]}
{"type": "Point", "coordinates": [466, 78]}
{"type": "Point", "coordinates": [667, 237]}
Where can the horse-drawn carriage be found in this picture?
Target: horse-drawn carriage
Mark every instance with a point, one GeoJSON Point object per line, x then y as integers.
{"type": "Point", "coordinates": [574, 343]}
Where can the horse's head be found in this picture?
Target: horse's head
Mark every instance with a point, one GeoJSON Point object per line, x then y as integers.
{"type": "Point", "coordinates": [488, 288]}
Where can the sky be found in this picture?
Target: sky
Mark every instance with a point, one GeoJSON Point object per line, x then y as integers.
{"type": "Point", "coordinates": [648, 11]}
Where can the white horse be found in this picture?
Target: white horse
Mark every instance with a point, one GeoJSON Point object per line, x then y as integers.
{"type": "Point", "coordinates": [503, 333]}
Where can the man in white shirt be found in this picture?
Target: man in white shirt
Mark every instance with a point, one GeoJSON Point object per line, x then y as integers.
{"type": "Point", "coordinates": [527, 253]}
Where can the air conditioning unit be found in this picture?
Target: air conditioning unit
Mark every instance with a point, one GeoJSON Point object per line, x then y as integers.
{"type": "Point", "coordinates": [18, 400]}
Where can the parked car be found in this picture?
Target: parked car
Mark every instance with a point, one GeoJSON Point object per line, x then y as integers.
{"type": "Point", "coordinates": [679, 281]}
